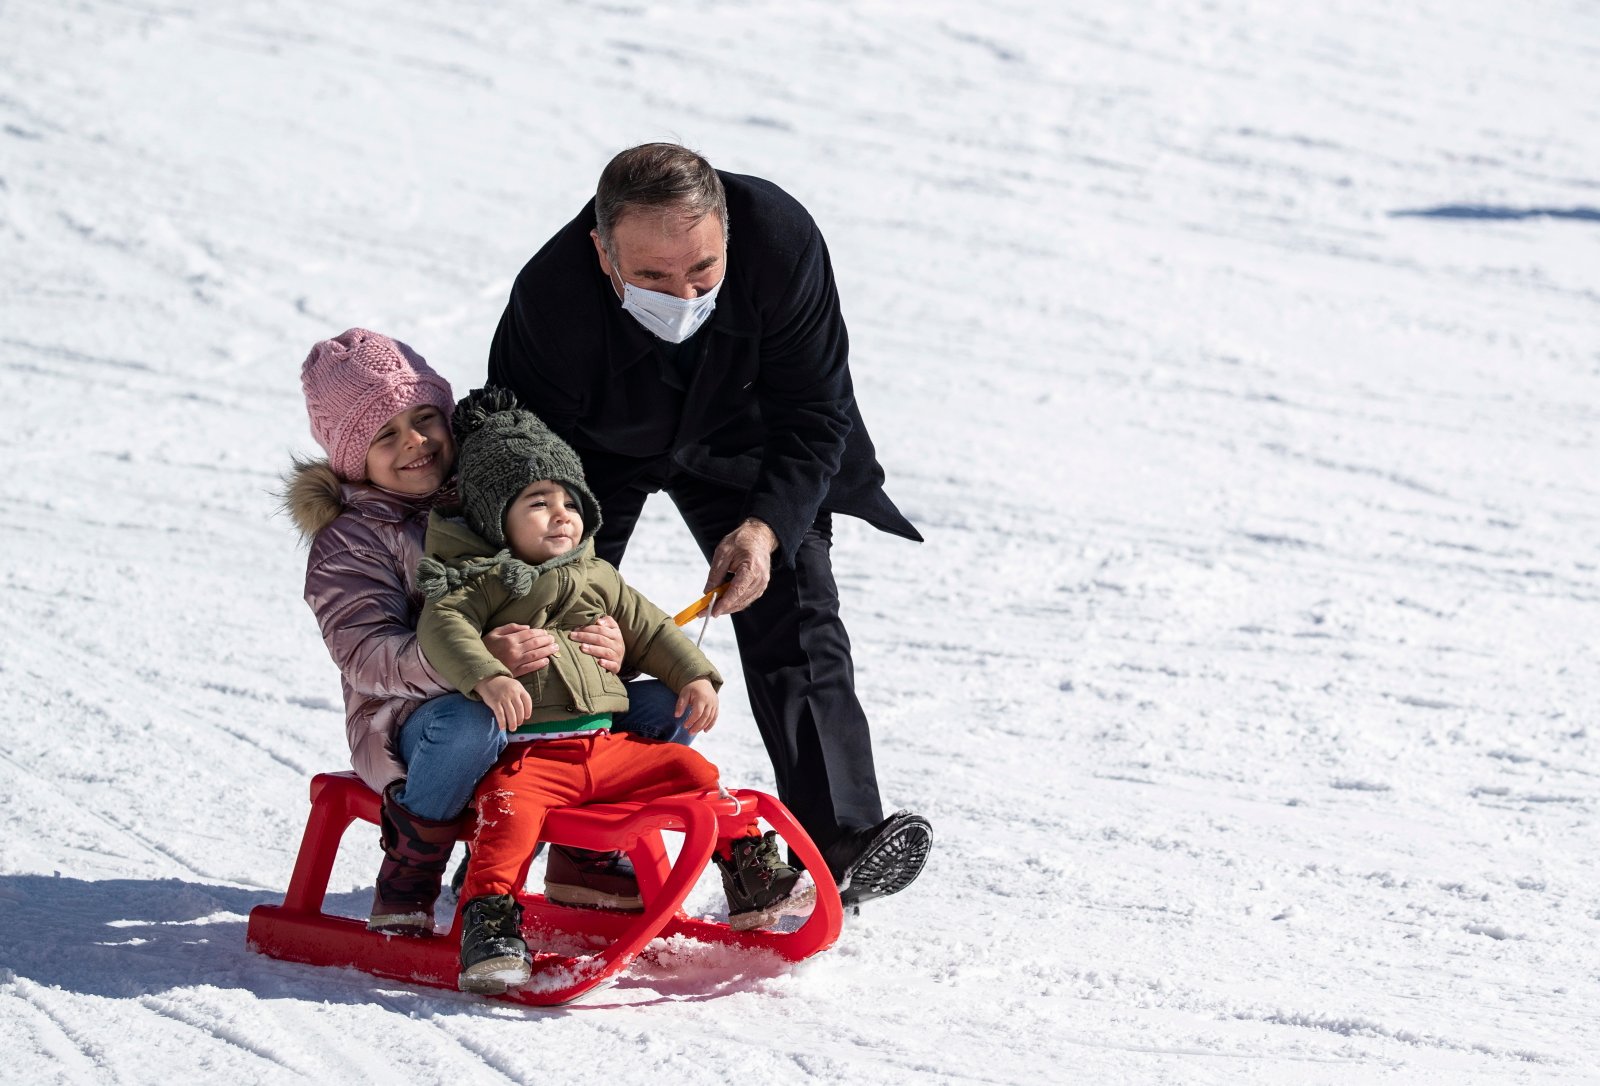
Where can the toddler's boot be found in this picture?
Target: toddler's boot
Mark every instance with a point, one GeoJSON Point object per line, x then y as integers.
{"type": "Point", "coordinates": [494, 955]}
{"type": "Point", "coordinates": [759, 885]}
{"type": "Point", "coordinates": [601, 880]}
{"type": "Point", "coordinates": [415, 852]}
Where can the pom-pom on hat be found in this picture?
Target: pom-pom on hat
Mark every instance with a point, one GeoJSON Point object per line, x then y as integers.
{"type": "Point", "coordinates": [356, 382]}
{"type": "Point", "coordinates": [500, 449]}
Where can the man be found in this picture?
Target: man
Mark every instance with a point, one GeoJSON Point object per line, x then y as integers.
{"type": "Point", "coordinates": [683, 333]}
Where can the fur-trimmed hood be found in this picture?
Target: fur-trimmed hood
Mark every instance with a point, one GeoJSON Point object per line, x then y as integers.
{"type": "Point", "coordinates": [457, 554]}
{"type": "Point", "coordinates": [314, 497]}
{"type": "Point", "coordinates": [363, 546]}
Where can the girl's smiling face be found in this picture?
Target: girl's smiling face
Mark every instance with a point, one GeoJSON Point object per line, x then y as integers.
{"type": "Point", "coordinates": [412, 453]}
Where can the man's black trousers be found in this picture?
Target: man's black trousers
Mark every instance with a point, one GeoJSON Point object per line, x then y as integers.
{"type": "Point", "coordinates": [796, 658]}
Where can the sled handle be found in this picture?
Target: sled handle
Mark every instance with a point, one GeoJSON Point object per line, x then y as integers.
{"type": "Point", "coordinates": [694, 610]}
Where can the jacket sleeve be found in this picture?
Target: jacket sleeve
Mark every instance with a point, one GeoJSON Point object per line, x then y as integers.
{"type": "Point", "coordinates": [517, 363]}
{"type": "Point", "coordinates": [804, 394]}
{"type": "Point", "coordinates": [451, 633]}
{"type": "Point", "coordinates": [546, 309]}
{"type": "Point", "coordinates": [363, 608]}
{"type": "Point", "coordinates": [655, 646]}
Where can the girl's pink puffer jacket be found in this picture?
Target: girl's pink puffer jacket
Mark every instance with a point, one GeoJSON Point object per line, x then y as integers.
{"type": "Point", "coordinates": [360, 583]}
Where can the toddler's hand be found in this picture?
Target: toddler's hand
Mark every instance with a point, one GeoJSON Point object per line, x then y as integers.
{"type": "Point", "coordinates": [508, 699]}
{"type": "Point", "coordinates": [699, 700]}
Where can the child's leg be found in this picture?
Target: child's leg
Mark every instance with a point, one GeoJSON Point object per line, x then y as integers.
{"type": "Point", "coordinates": [625, 767]}
{"type": "Point", "coordinates": [650, 713]}
{"type": "Point", "coordinates": [607, 879]}
{"type": "Point", "coordinates": [447, 743]}
{"type": "Point", "coordinates": [512, 801]}
{"type": "Point", "coordinates": [759, 885]}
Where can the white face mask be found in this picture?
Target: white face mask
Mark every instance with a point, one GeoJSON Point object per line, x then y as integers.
{"type": "Point", "coordinates": [667, 317]}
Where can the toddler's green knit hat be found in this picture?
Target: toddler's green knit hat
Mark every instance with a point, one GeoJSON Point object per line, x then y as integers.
{"type": "Point", "coordinates": [501, 448]}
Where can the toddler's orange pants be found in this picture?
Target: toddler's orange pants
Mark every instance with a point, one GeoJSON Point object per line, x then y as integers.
{"type": "Point", "coordinates": [531, 778]}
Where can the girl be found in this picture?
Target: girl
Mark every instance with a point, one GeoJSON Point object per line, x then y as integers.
{"type": "Point", "coordinates": [383, 417]}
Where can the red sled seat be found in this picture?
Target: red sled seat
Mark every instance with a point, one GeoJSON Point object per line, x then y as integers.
{"type": "Point", "coordinates": [299, 931]}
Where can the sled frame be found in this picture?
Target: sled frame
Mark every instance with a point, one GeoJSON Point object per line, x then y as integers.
{"type": "Point", "coordinates": [300, 931]}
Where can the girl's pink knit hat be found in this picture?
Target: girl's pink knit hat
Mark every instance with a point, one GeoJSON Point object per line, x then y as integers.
{"type": "Point", "coordinates": [356, 382]}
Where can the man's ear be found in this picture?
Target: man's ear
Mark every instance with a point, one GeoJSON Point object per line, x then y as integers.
{"type": "Point", "coordinates": [605, 263]}
{"type": "Point", "coordinates": [600, 251]}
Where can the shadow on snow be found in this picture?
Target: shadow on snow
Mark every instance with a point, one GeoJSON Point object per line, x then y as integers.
{"type": "Point", "coordinates": [129, 938]}
{"type": "Point", "coordinates": [1486, 211]}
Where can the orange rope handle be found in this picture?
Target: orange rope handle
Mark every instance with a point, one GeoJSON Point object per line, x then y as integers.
{"type": "Point", "coordinates": [694, 610]}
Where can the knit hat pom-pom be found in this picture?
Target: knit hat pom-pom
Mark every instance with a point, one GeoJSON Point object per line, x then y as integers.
{"type": "Point", "coordinates": [477, 407]}
{"type": "Point", "coordinates": [501, 448]}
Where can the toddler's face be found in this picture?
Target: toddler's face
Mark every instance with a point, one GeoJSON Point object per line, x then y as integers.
{"type": "Point", "coordinates": [542, 522]}
{"type": "Point", "coordinates": [412, 453]}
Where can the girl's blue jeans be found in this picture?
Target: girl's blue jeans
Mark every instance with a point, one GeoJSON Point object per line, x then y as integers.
{"type": "Point", "coordinates": [449, 742]}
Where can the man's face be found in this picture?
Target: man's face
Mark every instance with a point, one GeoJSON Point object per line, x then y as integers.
{"type": "Point", "coordinates": [664, 252]}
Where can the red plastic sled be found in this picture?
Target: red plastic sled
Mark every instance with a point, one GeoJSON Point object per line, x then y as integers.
{"type": "Point", "coordinates": [299, 931]}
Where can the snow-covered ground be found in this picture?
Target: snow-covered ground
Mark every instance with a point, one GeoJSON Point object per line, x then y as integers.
{"type": "Point", "coordinates": [1239, 361]}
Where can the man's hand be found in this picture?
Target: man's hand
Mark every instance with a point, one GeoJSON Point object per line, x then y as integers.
{"type": "Point", "coordinates": [602, 640]}
{"type": "Point", "coordinates": [522, 649]}
{"type": "Point", "coordinates": [745, 552]}
{"type": "Point", "coordinates": [510, 702]}
{"type": "Point", "coordinates": [699, 700]}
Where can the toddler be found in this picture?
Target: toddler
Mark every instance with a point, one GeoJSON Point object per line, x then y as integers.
{"type": "Point", "coordinates": [523, 551]}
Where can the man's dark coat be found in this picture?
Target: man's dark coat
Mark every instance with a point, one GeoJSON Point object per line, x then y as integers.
{"type": "Point", "coordinates": [768, 409]}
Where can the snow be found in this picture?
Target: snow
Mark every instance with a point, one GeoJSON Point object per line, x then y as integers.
{"type": "Point", "coordinates": [1237, 359]}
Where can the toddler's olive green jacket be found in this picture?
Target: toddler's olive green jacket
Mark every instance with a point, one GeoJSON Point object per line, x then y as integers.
{"type": "Point", "coordinates": [472, 589]}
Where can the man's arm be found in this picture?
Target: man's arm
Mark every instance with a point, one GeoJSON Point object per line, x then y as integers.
{"type": "Point", "coordinates": [516, 363]}
{"type": "Point", "coordinates": [804, 394]}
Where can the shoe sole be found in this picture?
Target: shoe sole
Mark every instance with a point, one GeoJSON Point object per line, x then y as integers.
{"type": "Point", "coordinates": [890, 862]}
{"type": "Point", "coordinates": [492, 976]}
{"type": "Point", "coordinates": [583, 897]}
{"type": "Point", "coordinates": [402, 924]}
{"type": "Point", "coordinates": [803, 900]}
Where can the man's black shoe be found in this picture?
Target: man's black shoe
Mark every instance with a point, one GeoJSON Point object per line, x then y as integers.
{"type": "Point", "coordinates": [880, 860]}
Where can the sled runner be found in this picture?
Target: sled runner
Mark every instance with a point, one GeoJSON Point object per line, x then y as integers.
{"type": "Point", "coordinates": [594, 945]}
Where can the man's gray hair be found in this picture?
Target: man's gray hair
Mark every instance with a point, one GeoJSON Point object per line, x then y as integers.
{"type": "Point", "coordinates": [663, 176]}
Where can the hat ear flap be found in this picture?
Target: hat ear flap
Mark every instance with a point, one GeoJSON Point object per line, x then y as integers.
{"type": "Point", "coordinates": [591, 512]}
